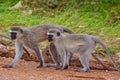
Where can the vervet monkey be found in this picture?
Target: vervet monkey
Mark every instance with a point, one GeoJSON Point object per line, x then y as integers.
{"type": "Point", "coordinates": [56, 58]}
{"type": "Point", "coordinates": [82, 44]}
{"type": "Point", "coordinates": [30, 37]}
{"type": "Point", "coordinates": [1, 35]}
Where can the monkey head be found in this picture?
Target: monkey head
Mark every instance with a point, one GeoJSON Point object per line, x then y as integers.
{"type": "Point", "coordinates": [15, 32]}
{"type": "Point", "coordinates": [52, 34]}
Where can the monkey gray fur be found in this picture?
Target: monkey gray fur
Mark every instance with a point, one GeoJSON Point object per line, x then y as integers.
{"type": "Point", "coordinates": [82, 44]}
{"type": "Point", "coordinates": [30, 37]}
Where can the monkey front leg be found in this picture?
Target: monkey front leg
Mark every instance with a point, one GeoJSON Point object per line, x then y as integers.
{"type": "Point", "coordinates": [39, 56]}
{"type": "Point", "coordinates": [54, 55]}
{"type": "Point", "coordinates": [69, 57]}
{"type": "Point", "coordinates": [64, 60]}
{"type": "Point", "coordinates": [18, 47]}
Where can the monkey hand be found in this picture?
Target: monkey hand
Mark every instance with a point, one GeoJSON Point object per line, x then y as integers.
{"type": "Point", "coordinates": [82, 70]}
{"type": "Point", "coordinates": [7, 66]}
{"type": "Point", "coordinates": [52, 65]}
{"type": "Point", "coordinates": [65, 67]}
{"type": "Point", "coordinates": [62, 67]}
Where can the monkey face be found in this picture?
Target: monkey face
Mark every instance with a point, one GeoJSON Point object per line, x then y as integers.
{"type": "Point", "coordinates": [52, 34]}
{"type": "Point", "coordinates": [15, 32]}
{"type": "Point", "coordinates": [13, 35]}
{"type": "Point", "coordinates": [50, 38]}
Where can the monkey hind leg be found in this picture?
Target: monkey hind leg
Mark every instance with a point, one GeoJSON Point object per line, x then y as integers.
{"type": "Point", "coordinates": [85, 63]}
{"type": "Point", "coordinates": [99, 61]}
{"type": "Point", "coordinates": [39, 56]}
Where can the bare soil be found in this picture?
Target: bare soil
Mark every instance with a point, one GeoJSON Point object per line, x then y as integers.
{"type": "Point", "coordinates": [26, 70]}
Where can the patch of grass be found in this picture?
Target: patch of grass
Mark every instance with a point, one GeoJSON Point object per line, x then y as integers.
{"type": "Point", "coordinates": [99, 18]}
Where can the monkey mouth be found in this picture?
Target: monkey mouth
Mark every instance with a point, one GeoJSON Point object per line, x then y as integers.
{"type": "Point", "coordinates": [50, 39]}
{"type": "Point", "coordinates": [13, 38]}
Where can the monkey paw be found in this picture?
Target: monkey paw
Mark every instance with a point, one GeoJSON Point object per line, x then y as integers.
{"type": "Point", "coordinates": [51, 65]}
{"type": "Point", "coordinates": [81, 70]}
{"type": "Point", "coordinates": [65, 67]}
{"type": "Point", "coordinates": [7, 66]}
{"type": "Point", "coordinates": [39, 66]}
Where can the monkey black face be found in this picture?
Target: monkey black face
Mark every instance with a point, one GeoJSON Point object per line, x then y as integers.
{"type": "Point", "coordinates": [53, 33]}
{"type": "Point", "coordinates": [13, 35]}
{"type": "Point", "coordinates": [50, 38]}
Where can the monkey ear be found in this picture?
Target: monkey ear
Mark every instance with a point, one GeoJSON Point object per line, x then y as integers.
{"type": "Point", "coordinates": [21, 30]}
{"type": "Point", "coordinates": [58, 33]}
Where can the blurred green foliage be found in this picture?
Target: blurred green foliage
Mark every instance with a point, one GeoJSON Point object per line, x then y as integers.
{"type": "Point", "coordinates": [96, 17]}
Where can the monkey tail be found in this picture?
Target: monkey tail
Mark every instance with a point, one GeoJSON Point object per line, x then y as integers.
{"type": "Point", "coordinates": [67, 30]}
{"type": "Point", "coordinates": [107, 51]}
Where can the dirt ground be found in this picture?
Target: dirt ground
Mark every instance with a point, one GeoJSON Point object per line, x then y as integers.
{"type": "Point", "coordinates": [26, 70]}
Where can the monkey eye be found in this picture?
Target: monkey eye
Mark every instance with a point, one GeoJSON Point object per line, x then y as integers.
{"type": "Point", "coordinates": [21, 30]}
{"type": "Point", "coordinates": [58, 33]}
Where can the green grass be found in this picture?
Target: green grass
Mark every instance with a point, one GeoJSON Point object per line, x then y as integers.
{"type": "Point", "coordinates": [97, 19]}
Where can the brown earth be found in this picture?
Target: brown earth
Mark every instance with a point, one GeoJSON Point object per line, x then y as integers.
{"type": "Point", "coordinates": [26, 70]}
